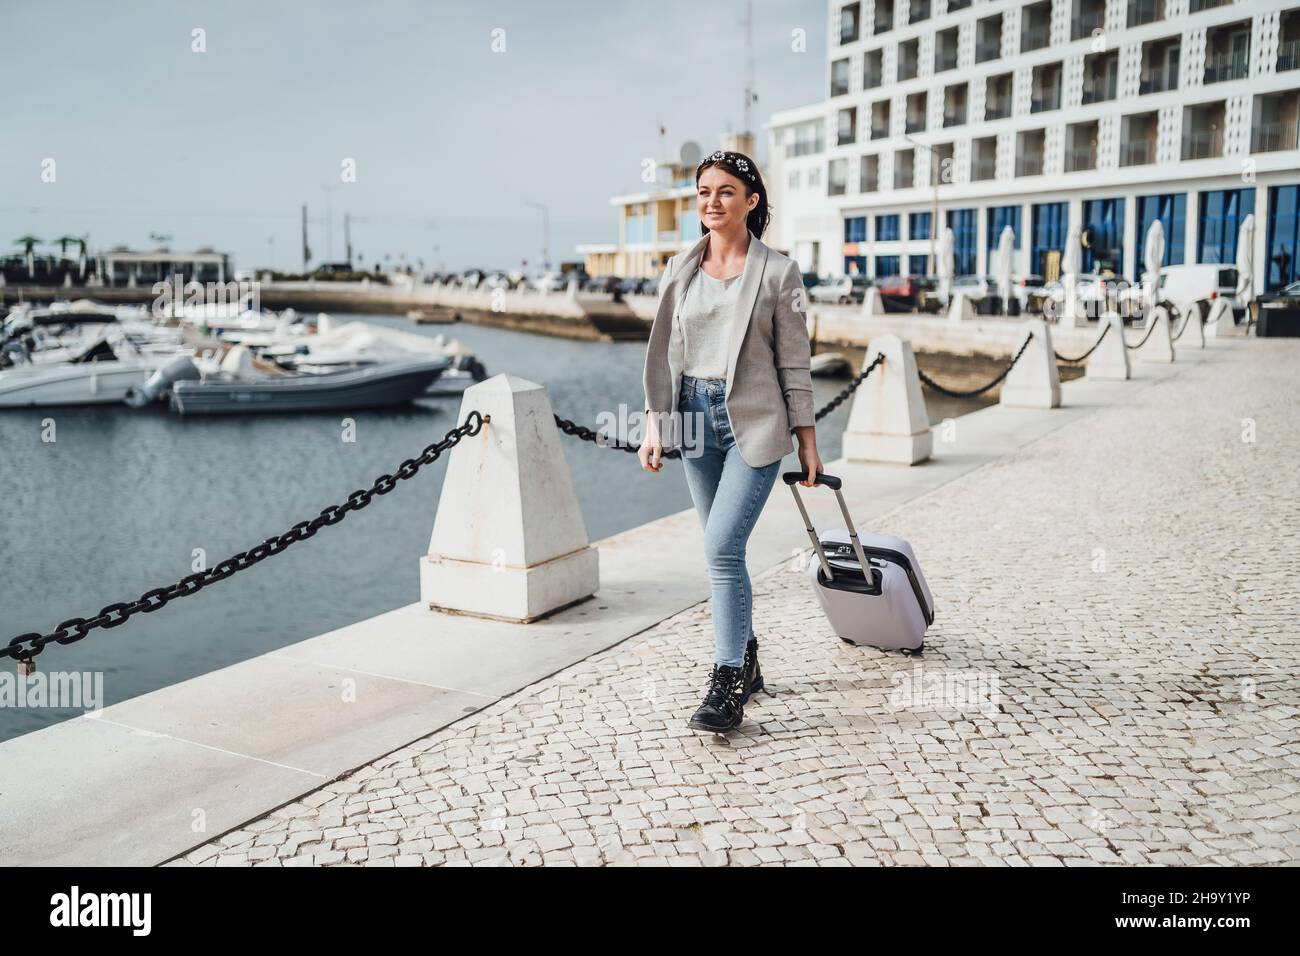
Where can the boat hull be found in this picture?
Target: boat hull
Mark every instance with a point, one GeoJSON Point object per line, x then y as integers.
{"type": "Point", "coordinates": [372, 386]}
{"type": "Point", "coordinates": [97, 383]}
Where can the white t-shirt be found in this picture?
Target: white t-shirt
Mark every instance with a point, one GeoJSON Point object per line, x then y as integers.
{"type": "Point", "coordinates": [704, 320]}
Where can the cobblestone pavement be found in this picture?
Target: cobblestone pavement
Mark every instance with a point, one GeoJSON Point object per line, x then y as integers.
{"type": "Point", "coordinates": [1110, 679]}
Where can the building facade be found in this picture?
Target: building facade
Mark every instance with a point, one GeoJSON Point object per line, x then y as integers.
{"type": "Point", "coordinates": [1108, 114]}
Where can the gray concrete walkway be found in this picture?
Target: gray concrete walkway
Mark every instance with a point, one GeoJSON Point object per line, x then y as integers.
{"type": "Point", "coordinates": [1110, 678]}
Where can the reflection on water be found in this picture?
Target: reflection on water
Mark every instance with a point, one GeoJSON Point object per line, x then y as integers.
{"type": "Point", "coordinates": [124, 500]}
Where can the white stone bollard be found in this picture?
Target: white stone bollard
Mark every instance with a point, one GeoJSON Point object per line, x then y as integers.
{"type": "Point", "coordinates": [960, 308]}
{"type": "Point", "coordinates": [1070, 313]}
{"type": "Point", "coordinates": [1159, 345]}
{"type": "Point", "coordinates": [888, 421]}
{"type": "Point", "coordinates": [1220, 321]}
{"type": "Point", "coordinates": [508, 540]}
{"type": "Point", "coordinates": [1110, 360]}
{"type": "Point", "coordinates": [1033, 382]}
{"type": "Point", "coordinates": [871, 304]}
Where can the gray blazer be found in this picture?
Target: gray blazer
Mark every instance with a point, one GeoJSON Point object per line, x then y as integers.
{"type": "Point", "coordinates": [769, 388]}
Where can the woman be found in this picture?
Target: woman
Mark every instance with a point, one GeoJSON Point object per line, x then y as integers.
{"type": "Point", "coordinates": [727, 363]}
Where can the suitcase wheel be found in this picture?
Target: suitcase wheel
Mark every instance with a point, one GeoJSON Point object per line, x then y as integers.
{"type": "Point", "coordinates": [915, 653]}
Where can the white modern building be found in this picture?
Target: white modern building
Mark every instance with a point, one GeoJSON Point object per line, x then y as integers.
{"type": "Point", "coordinates": [975, 114]}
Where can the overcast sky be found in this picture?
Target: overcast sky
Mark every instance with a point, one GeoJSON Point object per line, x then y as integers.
{"type": "Point", "coordinates": [450, 139]}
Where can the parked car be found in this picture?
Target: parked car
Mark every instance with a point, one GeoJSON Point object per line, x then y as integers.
{"type": "Point", "coordinates": [810, 279]}
{"type": "Point", "coordinates": [903, 293]}
{"type": "Point", "coordinates": [603, 284]}
{"type": "Point", "coordinates": [840, 289]}
{"type": "Point", "coordinates": [550, 282]}
{"type": "Point", "coordinates": [651, 285]}
{"type": "Point", "coordinates": [632, 285]}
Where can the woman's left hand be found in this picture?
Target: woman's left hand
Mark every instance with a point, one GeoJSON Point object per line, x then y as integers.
{"type": "Point", "coordinates": [811, 463]}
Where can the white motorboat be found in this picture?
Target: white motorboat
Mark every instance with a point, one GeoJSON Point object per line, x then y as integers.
{"type": "Point", "coordinates": [101, 374]}
{"type": "Point", "coordinates": [828, 365]}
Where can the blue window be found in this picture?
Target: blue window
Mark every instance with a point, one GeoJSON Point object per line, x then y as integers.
{"type": "Point", "coordinates": [1104, 220]}
{"type": "Point", "coordinates": [855, 229]}
{"type": "Point", "coordinates": [1050, 224]}
{"type": "Point", "coordinates": [918, 225]}
{"type": "Point", "coordinates": [855, 265]}
{"type": "Point", "coordinates": [1221, 215]}
{"type": "Point", "coordinates": [962, 224]}
{"type": "Point", "coordinates": [887, 229]}
{"type": "Point", "coordinates": [997, 217]}
{"type": "Point", "coordinates": [1171, 210]}
{"type": "Point", "coordinates": [886, 266]}
{"type": "Point", "coordinates": [918, 265]}
{"type": "Point", "coordinates": [1283, 237]}
{"type": "Point", "coordinates": [690, 226]}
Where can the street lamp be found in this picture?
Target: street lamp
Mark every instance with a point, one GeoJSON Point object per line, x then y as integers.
{"type": "Point", "coordinates": [934, 204]}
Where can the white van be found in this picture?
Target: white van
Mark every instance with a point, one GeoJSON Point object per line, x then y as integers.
{"type": "Point", "coordinates": [1203, 283]}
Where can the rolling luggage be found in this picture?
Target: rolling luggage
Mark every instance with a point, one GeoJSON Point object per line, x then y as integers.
{"type": "Point", "coordinates": [889, 609]}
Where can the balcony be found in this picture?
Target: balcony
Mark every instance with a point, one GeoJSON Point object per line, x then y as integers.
{"type": "Point", "coordinates": [1044, 101]}
{"type": "Point", "coordinates": [1080, 159]}
{"type": "Point", "coordinates": [1157, 83]}
{"type": "Point", "coordinates": [840, 78]}
{"type": "Point", "coordinates": [945, 50]}
{"type": "Point", "coordinates": [1137, 153]}
{"type": "Point", "coordinates": [997, 110]}
{"type": "Point", "coordinates": [1222, 67]}
{"type": "Point", "coordinates": [1033, 38]}
{"type": "Point", "coordinates": [1272, 137]}
{"type": "Point", "coordinates": [1029, 165]}
{"type": "Point", "coordinates": [982, 169]}
{"type": "Point", "coordinates": [1089, 15]}
{"type": "Point", "coordinates": [1288, 55]}
{"type": "Point", "coordinates": [908, 59]}
{"type": "Point", "coordinates": [869, 175]}
{"type": "Point", "coordinates": [884, 17]}
{"type": "Point", "coordinates": [879, 132]}
{"type": "Point", "coordinates": [1141, 12]}
{"type": "Point", "coordinates": [988, 50]}
{"type": "Point", "coordinates": [1197, 6]}
{"type": "Point", "coordinates": [1100, 91]}
{"type": "Point", "coordinates": [918, 10]}
{"type": "Point", "coordinates": [849, 18]}
{"type": "Point", "coordinates": [955, 5]}
{"type": "Point", "coordinates": [1202, 144]}
{"type": "Point", "coordinates": [915, 124]}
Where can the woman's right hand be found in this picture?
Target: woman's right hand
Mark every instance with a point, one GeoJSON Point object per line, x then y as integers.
{"type": "Point", "coordinates": [651, 454]}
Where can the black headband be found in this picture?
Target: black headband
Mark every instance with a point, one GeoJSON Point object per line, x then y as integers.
{"type": "Point", "coordinates": [734, 162]}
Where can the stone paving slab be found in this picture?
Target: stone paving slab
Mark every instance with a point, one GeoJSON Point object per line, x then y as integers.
{"type": "Point", "coordinates": [1110, 679]}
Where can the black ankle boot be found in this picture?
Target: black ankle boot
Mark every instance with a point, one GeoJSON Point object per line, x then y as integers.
{"type": "Point", "coordinates": [724, 704]}
{"type": "Point", "coordinates": [753, 673]}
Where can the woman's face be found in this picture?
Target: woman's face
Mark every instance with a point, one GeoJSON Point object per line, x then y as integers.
{"type": "Point", "coordinates": [721, 201]}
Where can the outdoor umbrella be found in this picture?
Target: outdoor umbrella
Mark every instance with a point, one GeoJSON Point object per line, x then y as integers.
{"type": "Point", "coordinates": [1005, 242]}
{"type": "Point", "coordinates": [946, 265]}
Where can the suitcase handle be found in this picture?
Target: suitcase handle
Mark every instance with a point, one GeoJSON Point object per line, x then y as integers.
{"type": "Point", "coordinates": [830, 481]}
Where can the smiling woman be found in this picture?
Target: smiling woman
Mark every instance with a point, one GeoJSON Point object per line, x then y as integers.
{"type": "Point", "coordinates": [729, 351]}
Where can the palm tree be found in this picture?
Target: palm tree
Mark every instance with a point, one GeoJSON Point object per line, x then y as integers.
{"type": "Point", "coordinates": [28, 243]}
{"type": "Point", "coordinates": [81, 256]}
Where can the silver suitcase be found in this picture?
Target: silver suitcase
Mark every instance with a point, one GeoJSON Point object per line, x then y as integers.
{"type": "Point", "coordinates": [892, 608]}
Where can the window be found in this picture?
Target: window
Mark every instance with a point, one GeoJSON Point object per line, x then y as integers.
{"type": "Point", "coordinates": [962, 224]}
{"type": "Point", "coordinates": [919, 265]}
{"type": "Point", "coordinates": [918, 224]}
{"type": "Point", "coordinates": [1104, 220]}
{"type": "Point", "coordinates": [855, 265]}
{"type": "Point", "coordinates": [995, 218]}
{"type": "Point", "coordinates": [1283, 237]}
{"type": "Point", "coordinates": [837, 177]}
{"type": "Point", "coordinates": [839, 77]}
{"type": "Point", "coordinates": [1171, 210]}
{"type": "Point", "coordinates": [1050, 219]}
{"type": "Point", "coordinates": [887, 228]}
{"type": "Point", "coordinates": [886, 266]}
{"type": "Point", "coordinates": [855, 229]}
{"type": "Point", "coordinates": [849, 23]}
{"type": "Point", "coordinates": [988, 38]}
{"type": "Point", "coordinates": [846, 126]}
{"type": "Point", "coordinates": [1221, 214]}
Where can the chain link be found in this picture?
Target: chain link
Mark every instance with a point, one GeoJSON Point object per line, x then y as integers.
{"type": "Point", "coordinates": [25, 647]}
{"type": "Point", "coordinates": [586, 434]}
{"type": "Point", "coordinates": [1080, 358]}
{"type": "Point", "coordinates": [971, 393]}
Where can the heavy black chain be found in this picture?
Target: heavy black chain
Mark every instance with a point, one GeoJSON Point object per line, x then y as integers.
{"type": "Point", "coordinates": [586, 434]}
{"type": "Point", "coordinates": [24, 647]}
{"type": "Point", "coordinates": [1151, 327]}
{"type": "Point", "coordinates": [1187, 318]}
{"type": "Point", "coordinates": [971, 393]}
{"type": "Point", "coordinates": [849, 389]}
{"type": "Point", "coordinates": [1080, 358]}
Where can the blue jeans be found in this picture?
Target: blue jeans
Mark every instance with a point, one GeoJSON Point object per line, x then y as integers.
{"type": "Point", "coordinates": [729, 495]}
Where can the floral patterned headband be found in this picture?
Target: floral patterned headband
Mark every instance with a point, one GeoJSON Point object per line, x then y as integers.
{"type": "Point", "coordinates": [733, 161]}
